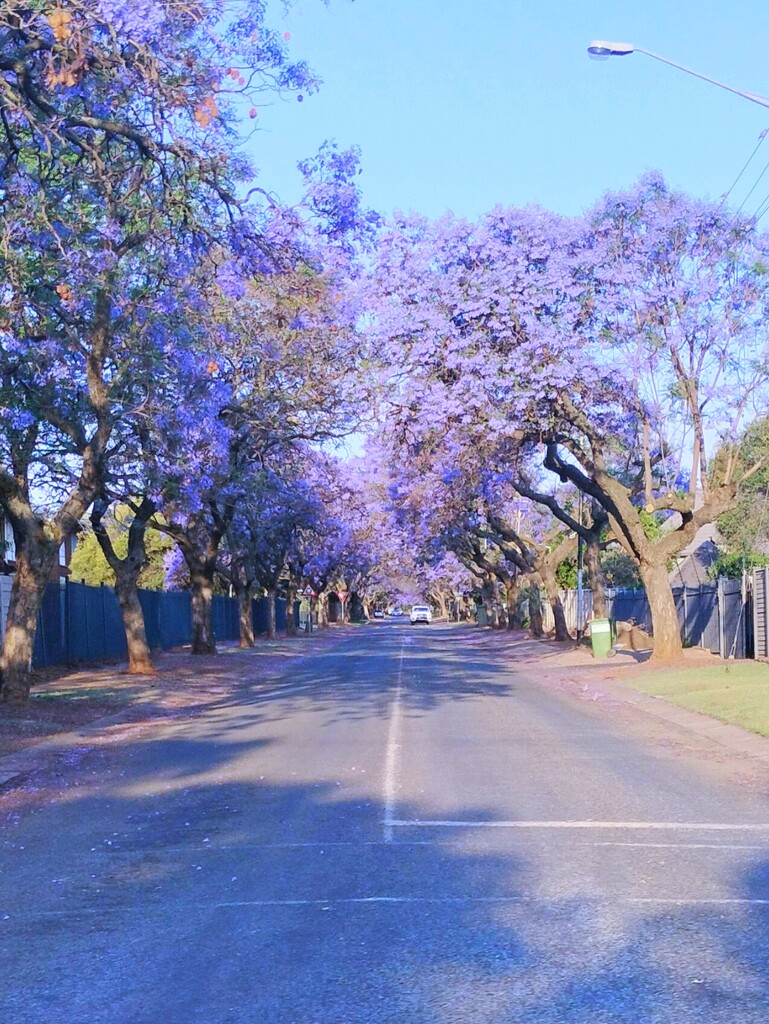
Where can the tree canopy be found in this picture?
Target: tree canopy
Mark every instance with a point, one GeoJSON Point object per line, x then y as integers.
{"type": "Point", "coordinates": [181, 354]}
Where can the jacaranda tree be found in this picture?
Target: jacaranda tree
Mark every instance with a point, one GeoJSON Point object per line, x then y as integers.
{"type": "Point", "coordinates": [610, 349]}
{"type": "Point", "coordinates": [679, 315]}
{"type": "Point", "coordinates": [118, 170]}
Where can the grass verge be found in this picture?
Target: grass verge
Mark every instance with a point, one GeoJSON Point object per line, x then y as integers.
{"type": "Point", "coordinates": [736, 692]}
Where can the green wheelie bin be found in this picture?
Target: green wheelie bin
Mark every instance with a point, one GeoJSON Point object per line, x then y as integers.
{"type": "Point", "coordinates": [601, 638]}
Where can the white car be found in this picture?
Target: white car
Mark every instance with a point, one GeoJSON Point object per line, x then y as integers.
{"type": "Point", "coordinates": [421, 613]}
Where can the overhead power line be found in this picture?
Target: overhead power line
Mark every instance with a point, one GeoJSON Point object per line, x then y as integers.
{"type": "Point", "coordinates": [745, 166]}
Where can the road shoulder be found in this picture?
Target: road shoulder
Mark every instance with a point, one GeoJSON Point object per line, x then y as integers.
{"type": "Point", "coordinates": [607, 686]}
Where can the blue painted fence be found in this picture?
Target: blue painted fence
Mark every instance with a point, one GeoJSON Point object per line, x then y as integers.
{"type": "Point", "coordinates": [78, 623]}
{"type": "Point", "coordinates": [717, 616]}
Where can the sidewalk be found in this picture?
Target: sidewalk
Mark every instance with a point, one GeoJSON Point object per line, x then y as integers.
{"type": "Point", "coordinates": [100, 705]}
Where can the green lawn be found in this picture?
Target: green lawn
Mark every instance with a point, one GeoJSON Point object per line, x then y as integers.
{"type": "Point", "coordinates": [737, 693]}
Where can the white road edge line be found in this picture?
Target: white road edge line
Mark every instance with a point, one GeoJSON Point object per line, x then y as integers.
{"type": "Point", "coordinates": [390, 780]}
{"type": "Point", "coordinates": [681, 826]}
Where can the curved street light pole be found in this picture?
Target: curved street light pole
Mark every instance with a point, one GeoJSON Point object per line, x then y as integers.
{"type": "Point", "coordinates": [600, 49]}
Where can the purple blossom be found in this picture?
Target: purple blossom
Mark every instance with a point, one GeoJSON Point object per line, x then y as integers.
{"type": "Point", "coordinates": [140, 21]}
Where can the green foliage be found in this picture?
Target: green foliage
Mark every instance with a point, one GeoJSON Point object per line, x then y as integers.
{"type": "Point", "coordinates": [651, 523]}
{"type": "Point", "coordinates": [566, 574]}
{"type": "Point", "coordinates": [620, 570]}
{"type": "Point", "coordinates": [89, 564]}
{"type": "Point", "coordinates": [152, 576]}
{"type": "Point", "coordinates": [745, 528]}
{"type": "Point", "coordinates": [732, 565]}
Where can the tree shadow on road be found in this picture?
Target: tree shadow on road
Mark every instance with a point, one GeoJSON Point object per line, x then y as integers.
{"type": "Point", "coordinates": [358, 680]}
{"type": "Point", "coordinates": [174, 884]}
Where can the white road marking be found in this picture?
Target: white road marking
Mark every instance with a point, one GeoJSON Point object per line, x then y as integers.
{"type": "Point", "coordinates": [317, 844]}
{"type": "Point", "coordinates": [390, 781]}
{"type": "Point", "coordinates": [685, 846]}
{"type": "Point", "coordinates": [288, 690]}
{"type": "Point", "coordinates": [682, 901]}
{"type": "Point", "coordinates": [661, 900]}
{"type": "Point", "coordinates": [552, 901]}
{"type": "Point", "coordinates": [682, 826]}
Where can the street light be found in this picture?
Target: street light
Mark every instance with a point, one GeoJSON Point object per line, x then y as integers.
{"type": "Point", "coordinates": [600, 49]}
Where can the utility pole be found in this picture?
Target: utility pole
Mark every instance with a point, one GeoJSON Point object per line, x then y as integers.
{"type": "Point", "coordinates": [579, 569]}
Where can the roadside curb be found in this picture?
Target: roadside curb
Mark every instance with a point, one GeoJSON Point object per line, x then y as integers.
{"type": "Point", "coordinates": [733, 737]}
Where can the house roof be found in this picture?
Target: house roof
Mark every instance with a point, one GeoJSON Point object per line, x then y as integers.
{"type": "Point", "coordinates": [695, 559]}
{"type": "Point", "coordinates": [707, 534]}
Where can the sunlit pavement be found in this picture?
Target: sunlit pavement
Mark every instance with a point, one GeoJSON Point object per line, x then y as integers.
{"type": "Point", "coordinates": [398, 830]}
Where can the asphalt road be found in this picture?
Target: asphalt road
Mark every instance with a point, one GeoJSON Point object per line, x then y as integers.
{"type": "Point", "coordinates": [396, 831]}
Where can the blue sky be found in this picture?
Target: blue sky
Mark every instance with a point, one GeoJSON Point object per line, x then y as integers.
{"type": "Point", "coordinates": [460, 105]}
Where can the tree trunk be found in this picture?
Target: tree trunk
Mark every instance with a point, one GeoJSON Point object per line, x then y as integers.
{"type": "Point", "coordinates": [535, 612]}
{"type": "Point", "coordinates": [501, 614]}
{"type": "Point", "coordinates": [487, 602]}
{"type": "Point", "coordinates": [500, 607]}
{"type": "Point", "coordinates": [272, 631]}
{"type": "Point", "coordinates": [551, 588]}
{"type": "Point", "coordinates": [665, 626]}
{"type": "Point", "coordinates": [34, 562]}
{"type": "Point", "coordinates": [245, 616]}
{"type": "Point", "coordinates": [199, 543]}
{"type": "Point", "coordinates": [323, 610]}
{"type": "Point", "coordinates": [511, 599]}
{"type": "Point", "coordinates": [595, 577]}
{"type": "Point", "coordinates": [127, 571]}
{"type": "Point", "coordinates": [202, 582]}
{"type": "Point", "coordinates": [139, 654]}
{"type": "Point", "coordinates": [490, 594]}
{"type": "Point", "coordinates": [290, 602]}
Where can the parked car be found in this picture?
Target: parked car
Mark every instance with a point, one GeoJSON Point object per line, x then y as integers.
{"type": "Point", "coordinates": [421, 613]}
{"type": "Point", "coordinates": [378, 613]}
